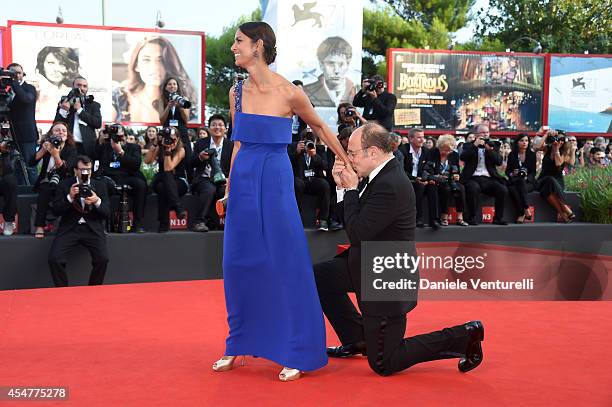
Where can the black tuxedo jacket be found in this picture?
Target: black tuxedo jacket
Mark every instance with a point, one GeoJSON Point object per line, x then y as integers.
{"type": "Point", "coordinates": [204, 144]}
{"type": "Point", "coordinates": [469, 155]}
{"type": "Point", "coordinates": [22, 113]}
{"type": "Point", "coordinates": [426, 156]}
{"type": "Point", "coordinates": [129, 163]}
{"type": "Point", "coordinates": [92, 117]}
{"type": "Point", "coordinates": [318, 163]}
{"type": "Point", "coordinates": [529, 164]}
{"type": "Point", "coordinates": [71, 212]}
{"type": "Point", "coordinates": [385, 212]}
{"type": "Point", "coordinates": [68, 155]}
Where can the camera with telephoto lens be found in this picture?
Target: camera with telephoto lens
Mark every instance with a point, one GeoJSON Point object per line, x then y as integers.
{"type": "Point", "coordinates": [74, 94]}
{"type": "Point", "coordinates": [53, 177]}
{"type": "Point", "coordinates": [5, 136]}
{"type": "Point", "coordinates": [85, 190]}
{"type": "Point", "coordinates": [559, 137]}
{"type": "Point", "coordinates": [452, 171]}
{"type": "Point", "coordinates": [217, 175]}
{"type": "Point", "coordinates": [181, 101]}
{"type": "Point", "coordinates": [6, 89]}
{"type": "Point", "coordinates": [55, 141]}
{"type": "Point", "coordinates": [165, 136]}
{"type": "Point", "coordinates": [113, 132]}
{"type": "Point", "coordinates": [350, 112]}
{"type": "Point", "coordinates": [495, 144]}
{"type": "Point", "coordinates": [374, 84]}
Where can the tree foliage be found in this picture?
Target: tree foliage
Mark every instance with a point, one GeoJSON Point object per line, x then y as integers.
{"type": "Point", "coordinates": [453, 14]}
{"type": "Point", "coordinates": [564, 26]}
{"type": "Point", "coordinates": [220, 67]}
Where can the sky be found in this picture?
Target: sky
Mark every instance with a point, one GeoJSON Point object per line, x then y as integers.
{"type": "Point", "coordinates": [193, 15]}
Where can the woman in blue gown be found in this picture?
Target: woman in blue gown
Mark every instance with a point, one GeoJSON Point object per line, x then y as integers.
{"type": "Point", "coordinates": [270, 292]}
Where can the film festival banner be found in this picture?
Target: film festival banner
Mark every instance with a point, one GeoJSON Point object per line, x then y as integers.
{"type": "Point", "coordinates": [454, 91]}
{"type": "Point", "coordinates": [580, 94]}
{"type": "Point", "coordinates": [319, 43]}
{"type": "Point", "coordinates": [125, 69]}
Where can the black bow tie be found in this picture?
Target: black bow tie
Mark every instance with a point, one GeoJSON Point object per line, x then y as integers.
{"type": "Point", "coordinates": [364, 183]}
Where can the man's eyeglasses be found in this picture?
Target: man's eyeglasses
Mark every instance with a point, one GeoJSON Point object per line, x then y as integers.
{"type": "Point", "coordinates": [352, 154]}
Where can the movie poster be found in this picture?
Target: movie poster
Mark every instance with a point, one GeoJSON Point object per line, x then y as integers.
{"type": "Point", "coordinates": [125, 70]}
{"type": "Point", "coordinates": [319, 43]}
{"type": "Point", "coordinates": [453, 91]}
{"type": "Point", "coordinates": [580, 94]}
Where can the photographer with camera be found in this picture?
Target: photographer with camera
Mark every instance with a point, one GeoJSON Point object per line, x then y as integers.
{"type": "Point", "coordinates": [8, 181]}
{"type": "Point", "coordinates": [445, 166]}
{"type": "Point", "coordinates": [480, 174]}
{"type": "Point", "coordinates": [557, 154]}
{"type": "Point", "coordinates": [57, 153]}
{"type": "Point", "coordinates": [349, 116]}
{"type": "Point", "coordinates": [119, 164]}
{"type": "Point", "coordinates": [377, 103]}
{"type": "Point", "coordinates": [21, 114]}
{"type": "Point", "coordinates": [169, 183]}
{"type": "Point", "coordinates": [521, 173]}
{"type": "Point", "coordinates": [176, 114]}
{"type": "Point", "coordinates": [82, 115]}
{"type": "Point", "coordinates": [309, 164]}
{"type": "Point", "coordinates": [211, 164]}
{"type": "Point", "coordinates": [416, 157]}
{"type": "Point", "coordinates": [82, 203]}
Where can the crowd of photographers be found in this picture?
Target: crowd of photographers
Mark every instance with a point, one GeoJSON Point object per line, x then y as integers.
{"type": "Point", "coordinates": [79, 164]}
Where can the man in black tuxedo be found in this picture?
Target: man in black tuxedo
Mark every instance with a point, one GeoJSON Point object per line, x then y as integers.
{"type": "Point", "coordinates": [309, 162]}
{"type": "Point", "coordinates": [416, 158]}
{"type": "Point", "coordinates": [83, 117]}
{"type": "Point", "coordinates": [381, 208]}
{"type": "Point", "coordinates": [83, 205]}
{"type": "Point", "coordinates": [22, 111]}
{"type": "Point", "coordinates": [479, 174]}
{"type": "Point", "coordinates": [205, 185]}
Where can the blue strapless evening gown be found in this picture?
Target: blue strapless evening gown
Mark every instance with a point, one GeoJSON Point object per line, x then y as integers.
{"type": "Point", "coordinates": [273, 309]}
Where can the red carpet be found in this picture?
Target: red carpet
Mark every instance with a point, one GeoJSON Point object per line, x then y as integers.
{"type": "Point", "coordinates": [153, 345]}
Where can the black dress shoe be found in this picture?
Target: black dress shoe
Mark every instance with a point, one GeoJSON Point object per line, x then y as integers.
{"type": "Point", "coordinates": [435, 224]}
{"type": "Point", "coordinates": [501, 222]}
{"type": "Point", "coordinates": [420, 224]}
{"type": "Point", "coordinates": [472, 222]}
{"type": "Point", "coordinates": [335, 225]}
{"type": "Point", "coordinates": [139, 229]}
{"type": "Point", "coordinates": [345, 351]}
{"type": "Point", "coordinates": [473, 353]}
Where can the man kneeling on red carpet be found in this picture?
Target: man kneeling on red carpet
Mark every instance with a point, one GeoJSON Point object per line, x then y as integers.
{"type": "Point", "coordinates": [381, 208]}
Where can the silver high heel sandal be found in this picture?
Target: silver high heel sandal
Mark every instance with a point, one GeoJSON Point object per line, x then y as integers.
{"type": "Point", "coordinates": [288, 375]}
{"type": "Point", "coordinates": [227, 363]}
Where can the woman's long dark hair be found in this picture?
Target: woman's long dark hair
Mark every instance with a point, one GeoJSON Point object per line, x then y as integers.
{"type": "Point", "coordinates": [515, 148]}
{"type": "Point", "coordinates": [69, 140]}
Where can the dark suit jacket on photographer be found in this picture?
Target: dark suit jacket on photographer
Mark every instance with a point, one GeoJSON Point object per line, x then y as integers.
{"type": "Point", "coordinates": [71, 213]}
{"type": "Point", "coordinates": [112, 165]}
{"type": "Point", "coordinates": [68, 155]}
{"type": "Point", "coordinates": [452, 160]}
{"type": "Point", "coordinates": [90, 119]}
{"type": "Point", "coordinates": [22, 112]}
{"type": "Point", "coordinates": [199, 166]}
{"type": "Point", "coordinates": [425, 157]}
{"type": "Point", "coordinates": [380, 108]}
{"type": "Point", "coordinates": [318, 163]}
{"type": "Point", "coordinates": [469, 155]}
